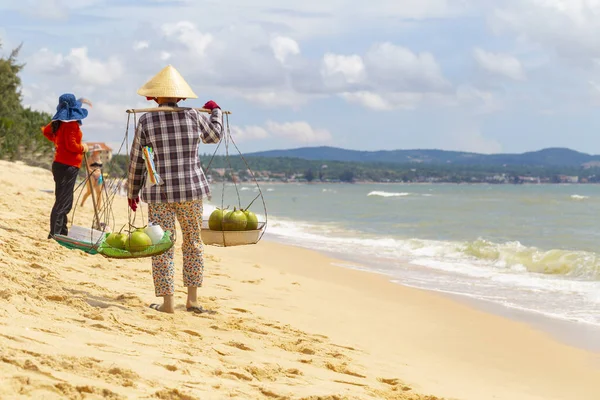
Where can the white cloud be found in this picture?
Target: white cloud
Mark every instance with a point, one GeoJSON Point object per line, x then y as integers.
{"type": "Point", "coordinates": [350, 69]}
{"type": "Point", "coordinates": [500, 64]}
{"type": "Point", "coordinates": [39, 98]}
{"type": "Point", "coordinates": [387, 77]}
{"type": "Point", "coordinates": [387, 101]}
{"type": "Point", "coordinates": [140, 45]}
{"type": "Point", "coordinates": [272, 98]}
{"type": "Point", "coordinates": [368, 99]}
{"type": "Point", "coordinates": [246, 133]}
{"type": "Point", "coordinates": [46, 61]}
{"type": "Point", "coordinates": [299, 131]}
{"type": "Point", "coordinates": [568, 27]}
{"type": "Point", "coordinates": [188, 34]}
{"type": "Point", "coordinates": [249, 62]}
{"type": "Point", "coordinates": [396, 68]}
{"type": "Point", "coordinates": [283, 47]}
{"type": "Point", "coordinates": [93, 71]}
{"type": "Point", "coordinates": [77, 63]}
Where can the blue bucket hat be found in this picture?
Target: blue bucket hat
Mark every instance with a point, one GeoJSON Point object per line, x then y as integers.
{"type": "Point", "coordinates": [69, 109]}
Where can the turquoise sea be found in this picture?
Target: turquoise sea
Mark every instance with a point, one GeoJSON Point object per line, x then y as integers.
{"type": "Point", "coordinates": [534, 248]}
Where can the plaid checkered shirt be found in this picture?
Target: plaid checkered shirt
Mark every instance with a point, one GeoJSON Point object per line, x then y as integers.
{"type": "Point", "coordinates": [174, 137]}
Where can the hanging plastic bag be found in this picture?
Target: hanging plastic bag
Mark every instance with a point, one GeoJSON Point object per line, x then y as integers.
{"type": "Point", "coordinates": [152, 178]}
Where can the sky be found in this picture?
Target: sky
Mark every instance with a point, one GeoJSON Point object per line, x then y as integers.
{"type": "Point", "coordinates": [503, 76]}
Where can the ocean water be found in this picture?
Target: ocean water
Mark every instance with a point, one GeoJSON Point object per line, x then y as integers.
{"type": "Point", "coordinates": [533, 248]}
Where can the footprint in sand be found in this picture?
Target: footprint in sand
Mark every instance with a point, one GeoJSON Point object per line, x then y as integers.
{"type": "Point", "coordinates": [221, 353]}
{"type": "Point", "coordinates": [217, 328]}
{"type": "Point", "coordinates": [391, 381]}
{"type": "Point", "coordinates": [272, 395]}
{"type": "Point", "coordinates": [254, 282]}
{"type": "Point", "coordinates": [299, 346]}
{"type": "Point", "coordinates": [100, 326]}
{"type": "Point", "coordinates": [168, 367]}
{"type": "Point", "coordinates": [350, 383]}
{"type": "Point", "coordinates": [48, 332]}
{"type": "Point", "coordinates": [240, 310]}
{"type": "Point", "coordinates": [76, 392]}
{"type": "Point", "coordinates": [193, 333]}
{"type": "Point", "coordinates": [238, 345]}
{"type": "Point", "coordinates": [270, 372]}
{"type": "Point", "coordinates": [395, 383]}
{"type": "Point", "coordinates": [256, 330]}
{"type": "Point", "coordinates": [96, 316]}
{"type": "Point", "coordinates": [130, 299]}
{"type": "Point", "coordinates": [97, 303]}
{"type": "Point", "coordinates": [224, 287]}
{"type": "Point", "coordinates": [337, 355]}
{"type": "Point", "coordinates": [237, 375]}
{"type": "Point", "coordinates": [342, 369]}
{"type": "Point", "coordinates": [125, 376]}
{"type": "Point", "coordinates": [173, 394]}
{"type": "Point", "coordinates": [55, 297]}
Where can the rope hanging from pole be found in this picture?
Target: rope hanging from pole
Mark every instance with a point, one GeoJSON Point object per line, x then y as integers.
{"type": "Point", "coordinates": [104, 220]}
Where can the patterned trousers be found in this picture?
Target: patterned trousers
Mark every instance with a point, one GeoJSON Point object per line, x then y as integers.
{"type": "Point", "coordinates": [189, 215]}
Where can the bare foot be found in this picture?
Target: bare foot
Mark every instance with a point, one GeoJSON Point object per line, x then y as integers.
{"type": "Point", "coordinates": [190, 304]}
{"type": "Point", "coordinates": [162, 308]}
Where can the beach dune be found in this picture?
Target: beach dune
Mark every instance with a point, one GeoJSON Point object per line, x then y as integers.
{"type": "Point", "coordinates": [289, 324]}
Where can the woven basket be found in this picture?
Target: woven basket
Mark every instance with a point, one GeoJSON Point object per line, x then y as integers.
{"type": "Point", "coordinates": [231, 238]}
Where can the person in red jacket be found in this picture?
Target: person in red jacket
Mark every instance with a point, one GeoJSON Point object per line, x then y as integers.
{"type": "Point", "coordinates": [65, 132]}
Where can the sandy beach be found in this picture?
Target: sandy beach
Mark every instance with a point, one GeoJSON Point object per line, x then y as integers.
{"type": "Point", "coordinates": [290, 324]}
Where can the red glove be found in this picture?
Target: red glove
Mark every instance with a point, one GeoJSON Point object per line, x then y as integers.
{"type": "Point", "coordinates": [133, 203]}
{"type": "Point", "coordinates": [210, 105]}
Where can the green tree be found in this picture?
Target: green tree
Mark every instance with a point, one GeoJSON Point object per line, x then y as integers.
{"type": "Point", "coordinates": [309, 175]}
{"type": "Point", "coordinates": [347, 176]}
{"type": "Point", "coordinates": [11, 119]}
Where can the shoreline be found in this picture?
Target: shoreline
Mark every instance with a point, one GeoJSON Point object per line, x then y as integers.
{"type": "Point", "coordinates": [454, 334]}
{"type": "Point", "coordinates": [290, 324]}
{"type": "Point", "coordinates": [574, 333]}
{"type": "Point", "coordinates": [252, 183]}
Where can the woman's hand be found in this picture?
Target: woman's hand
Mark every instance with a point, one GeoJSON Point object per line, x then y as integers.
{"type": "Point", "coordinates": [85, 148]}
{"type": "Point", "coordinates": [85, 101]}
{"type": "Point", "coordinates": [211, 105]}
{"type": "Point", "coordinates": [133, 203]}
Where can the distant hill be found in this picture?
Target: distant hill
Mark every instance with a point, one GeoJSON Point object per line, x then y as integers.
{"type": "Point", "coordinates": [545, 157]}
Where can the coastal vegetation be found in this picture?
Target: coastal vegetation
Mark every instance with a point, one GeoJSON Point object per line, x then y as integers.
{"type": "Point", "coordinates": [21, 139]}
{"type": "Point", "coordinates": [20, 134]}
{"type": "Point", "coordinates": [287, 169]}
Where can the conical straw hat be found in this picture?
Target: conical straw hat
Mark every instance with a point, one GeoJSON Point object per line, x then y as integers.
{"type": "Point", "coordinates": [167, 83]}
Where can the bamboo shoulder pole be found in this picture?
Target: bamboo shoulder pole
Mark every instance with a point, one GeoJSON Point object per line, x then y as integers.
{"type": "Point", "coordinates": [158, 109]}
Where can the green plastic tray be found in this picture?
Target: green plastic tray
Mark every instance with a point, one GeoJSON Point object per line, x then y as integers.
{"type": "Point", "coordinates": [156, 249]}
